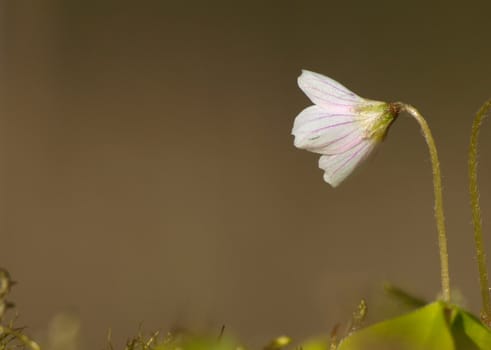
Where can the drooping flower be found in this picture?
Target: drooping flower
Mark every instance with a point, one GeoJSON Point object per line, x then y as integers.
{"type": "Point", "coordinates": [341, 126]}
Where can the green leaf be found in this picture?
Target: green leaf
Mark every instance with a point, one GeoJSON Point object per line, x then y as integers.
{"type": "Point", "coordinates": [404, 297]}
{"type": "Point", "coordinates": [188, 342]}
{"type": "Point", "coordinates": [315, 344]}
{"type": "Point", "coordinates": [469, 333]}
{"type": "Point", "coordinates": [278, 343]}
{"type": "Point", "coordinates": [424, 329]}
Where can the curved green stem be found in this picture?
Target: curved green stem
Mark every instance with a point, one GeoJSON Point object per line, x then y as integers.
{"type": "Point", "coordinates": [24, 339]}
{"type": "Point", "coordinates": [437, 187]}
{"type": "Point", "coordinates": [476, 211]}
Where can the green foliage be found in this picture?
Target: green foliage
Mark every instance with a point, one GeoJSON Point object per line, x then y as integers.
{"type": "Point", "coordinates": [436, 326]}
{"type": "Point", "coordinates": [278, 343]}
{"type": "Point", "coordinates": [11, 337]}
{"type": "Point", "coordinates": [403, 297]}
{"type": "Point", "coordinates": [433, 327]}
{"type": "Point", "coordinates": [197, 342]}
{"type": "Point", "coordinates": [317, 344]}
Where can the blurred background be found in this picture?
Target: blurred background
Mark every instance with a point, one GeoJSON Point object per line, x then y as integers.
{"type": "Point", "coordinates": [148, 173]}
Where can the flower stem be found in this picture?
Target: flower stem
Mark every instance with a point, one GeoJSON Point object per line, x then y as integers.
{"type": "Point", "coordinates": [476, 211]}
{"type": "Point", "coordinates": [437, 187]}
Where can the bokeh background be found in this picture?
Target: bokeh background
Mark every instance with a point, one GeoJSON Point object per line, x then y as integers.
{"type": "Point", "coordinates": [148, 173]}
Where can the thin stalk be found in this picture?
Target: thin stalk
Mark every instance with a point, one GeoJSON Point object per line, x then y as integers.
{"type": "Point", "coordinates": [437, 188]}
{"type": "Point", "coordinates": [31, 344]}
{"type": "Point", "coordinates": [476, 212]}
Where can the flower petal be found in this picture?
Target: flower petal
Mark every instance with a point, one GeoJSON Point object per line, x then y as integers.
{"type": "Point", "coordinates": [339, 166]}
{"type": "Point", "coordinates": [326, 92]}
{"type": "Point", "coordinates": [322, 132]}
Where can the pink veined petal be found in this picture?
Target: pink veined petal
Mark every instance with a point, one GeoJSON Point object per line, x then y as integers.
{"type": "Point", "coordinates": [321, 132]}
{"type": "Point", "coordinates": [338, 167]}
{"type": "Point", "coordinates": [340, 145]}
{"type": "Point", "coordinates": [326, 92]}
{"type": "Point", "coordinates": [315, 113]}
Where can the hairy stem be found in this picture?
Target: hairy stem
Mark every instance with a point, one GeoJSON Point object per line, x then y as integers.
{"type": "Point", "coordinates": [476, 212]}
{"type": "Point", "coordinates": [437, 187]}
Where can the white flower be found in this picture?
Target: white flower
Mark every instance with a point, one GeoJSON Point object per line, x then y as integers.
{"type": "Point", "coordinates": [342, 126]}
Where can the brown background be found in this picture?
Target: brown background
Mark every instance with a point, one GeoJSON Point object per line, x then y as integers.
{"type": "Point", "coordinates": [148, 172]}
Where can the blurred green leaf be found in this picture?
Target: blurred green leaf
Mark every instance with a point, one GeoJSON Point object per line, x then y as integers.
{"type": "Point", "coordinates": [278, 343]}
{"type": "Point", "coordinates": [404, 297]}
{"type": "Point", "coordinates": [423, 329]}
{"type": "Point", "coordinates": [189, 342]}
{"type": "Point", "coordinates": [315, 344]}
{"type": "Point", "coordinates": [433, 327]}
